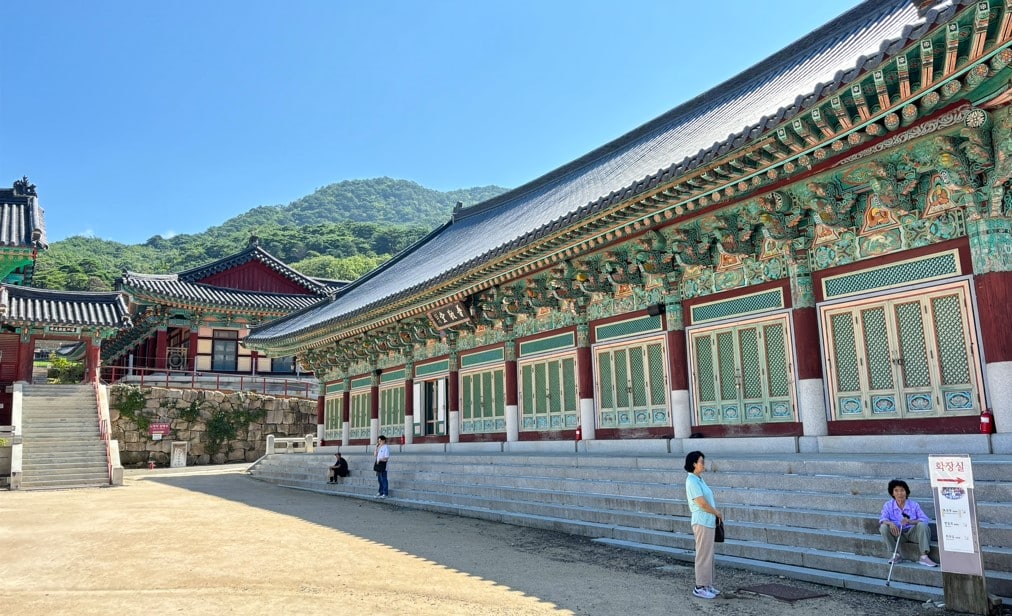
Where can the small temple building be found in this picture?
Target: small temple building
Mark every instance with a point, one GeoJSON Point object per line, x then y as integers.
{"type": "Point", "coordinates": [196, 320]}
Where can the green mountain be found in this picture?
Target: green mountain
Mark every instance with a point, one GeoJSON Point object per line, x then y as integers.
{"type": "Point", "coordinates": [339, 231]}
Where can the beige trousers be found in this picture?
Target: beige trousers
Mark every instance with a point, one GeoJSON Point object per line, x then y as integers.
{"type": "Point", "coordinates": [704, 554]}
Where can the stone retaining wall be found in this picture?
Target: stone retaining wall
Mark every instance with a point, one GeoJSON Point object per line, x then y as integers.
{"type": "Point", "coordinates": [219, 427]}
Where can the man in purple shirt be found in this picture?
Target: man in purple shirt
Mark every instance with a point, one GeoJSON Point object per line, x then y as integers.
{"type": "Point", "coordinates": [903, 519]}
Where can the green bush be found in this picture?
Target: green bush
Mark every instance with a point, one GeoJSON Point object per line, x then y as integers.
{"type": "Point", "coordinates": [63, 371]}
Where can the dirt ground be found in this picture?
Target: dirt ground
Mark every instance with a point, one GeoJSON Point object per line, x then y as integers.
{"type": "Point", "coordinates": [213, 540]}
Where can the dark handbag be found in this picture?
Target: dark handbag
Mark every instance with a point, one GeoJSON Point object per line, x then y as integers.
{"type": "Point", "coordinates": [718, 534]}
{"type": "Point", "coordinates": [379, 467]}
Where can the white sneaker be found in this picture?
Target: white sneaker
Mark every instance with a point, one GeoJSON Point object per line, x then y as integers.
{"type": "Point", "coordinates": [927, 562]}
{"type": "Point", "coordinates": [703, 592]}
{"type": "Point", "coordinates": [382, 495]}
{"type": "Point", "coordinates": [713, 590]}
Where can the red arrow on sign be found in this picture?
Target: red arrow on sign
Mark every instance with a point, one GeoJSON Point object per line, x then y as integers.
{"type": "Point", "coordinates": [957, 480]}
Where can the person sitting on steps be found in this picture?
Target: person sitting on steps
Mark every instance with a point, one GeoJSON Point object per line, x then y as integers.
{"type": "Point", "coordinates": [902, 519]}
{"type": "Point", "coordinates": [338, 469]}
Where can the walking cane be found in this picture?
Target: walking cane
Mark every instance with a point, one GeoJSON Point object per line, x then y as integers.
{"type": "Point", "coordinates": [892, 561]}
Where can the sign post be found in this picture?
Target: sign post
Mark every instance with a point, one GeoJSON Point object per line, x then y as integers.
{"type": "Point", "coordinates": [958, 541]}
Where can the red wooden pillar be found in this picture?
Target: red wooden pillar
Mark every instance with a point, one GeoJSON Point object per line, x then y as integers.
{"type": "Point", "coordinates": [149, 353]}
{"type": "Point", "coordinates": [93, 362]}
{"type": "Point", "coordinates": [585, 376]}
{"type": "Point", "coordinates": [320, 406]}
{"type": "Point", "coordinates": [512, 386]}
{"type": "Point", "coordinates": [191, 353]}
{"type": "Point", "coordinates": [374, 396]}
{"type": "Point", "coordinates": [678, 364]}
{"type": "Point", "coordinates": [161, 348]}
{"type": "Point", "coordinates": [25, 360]}
{"type": "Point", "coordinates": [806, 342]}
{"type": "Point", "coordinates": [453, 391]}
{"type": "Point", "coordinates": [994, 296]}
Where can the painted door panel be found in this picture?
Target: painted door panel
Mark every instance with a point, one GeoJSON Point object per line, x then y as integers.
{"type": "Point", "coordinates": [548, 393]}
{"type": "Point", "coordinates": [743, 373]}
{"type": "Point", "coordinates": [483, 401]}
{"type": "Point", "coordinates": [911, 354]}
{"type": "Point", "coordinates": [632, 390]}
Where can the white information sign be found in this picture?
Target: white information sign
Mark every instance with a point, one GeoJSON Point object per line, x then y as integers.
{"type": "Point", "coordinates": [952, 479]}
{"type": "Point", "coordinates": [954, 471]}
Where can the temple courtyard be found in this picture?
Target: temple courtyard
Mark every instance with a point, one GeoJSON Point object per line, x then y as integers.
{"type": "Point", "coordinates": [214, 540]}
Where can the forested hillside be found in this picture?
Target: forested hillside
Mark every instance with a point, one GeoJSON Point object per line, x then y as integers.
{"type": "Point", "coordinates": [340, 231]}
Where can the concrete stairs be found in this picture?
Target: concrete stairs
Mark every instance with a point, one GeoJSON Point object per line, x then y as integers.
{"type": "Point", "coordinates": [62, 447]}
{"type": "Point", "coordinates": [811, 517]}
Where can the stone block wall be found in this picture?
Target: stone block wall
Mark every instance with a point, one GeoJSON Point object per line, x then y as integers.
{"type": "Point", "coordinates": [220, 427]}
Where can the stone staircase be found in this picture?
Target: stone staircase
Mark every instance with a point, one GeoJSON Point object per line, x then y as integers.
{"type": "Point", "coordinates": [62, 447]}
{"type": "Point", "coordinates": [806, 516]}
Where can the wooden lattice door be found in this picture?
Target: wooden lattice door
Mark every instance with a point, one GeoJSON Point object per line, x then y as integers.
{"type": "Point", "coordinates": [632, 389]}
{"type": "Point", "coordinates": [743, 373]}
{"type": "Point", "coordinates": [911, 354]}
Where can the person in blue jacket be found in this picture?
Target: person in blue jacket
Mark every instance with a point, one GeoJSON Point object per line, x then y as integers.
{"type": "Point", "coordinates": [704, 523]}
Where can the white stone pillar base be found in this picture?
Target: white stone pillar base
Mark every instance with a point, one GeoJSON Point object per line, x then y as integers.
{"type": "Point", "coordinates": [999, 392]}
{"type": "Point", "coordinates": [409, 429]}
{"type": "Point", "coordinates": [345, 433]}
{"type": "Point", "coordinates": [454, 427]}
{"type": "Point", "coordinates": [512, 423]}
{"type": "Point", "coordinates": [374, 430]}
{"type": "Point", "coordinates": [681, 413]}
{"type": "Point", "coordinates": [588, 419]}
{"type": "Point", "coordinates": [812, 407]}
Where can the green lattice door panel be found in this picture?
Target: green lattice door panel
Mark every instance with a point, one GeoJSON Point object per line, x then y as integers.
{"type": "Point", "coordinates": [361, 420]}
{"type": "Point", "coordinates": [743, 373]}
{"type": "Point", "coordinates": [632, 391]}
{"type": "Point", "coordinates": [333, 417]}
{"type": "Point", "coordinates": [391, 410]}
{"type": "Point", "coordinates": [548, 394]}
{"type": "Point", "coordinates": [483, 401]}
{"type": "Point", "coordinates": [907, 355]}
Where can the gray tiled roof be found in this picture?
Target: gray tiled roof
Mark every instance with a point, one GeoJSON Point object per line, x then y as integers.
{"type": "Point", "coordinates": [717, 121]}
{"type": "Point", "coordinates": [170, 286]}
{"type": "Point", "coordinates": [20, 215]}
{"type": "Point", "coordinates": [254, 253]}
{"type": "Point", "coordinates": [47, 307]}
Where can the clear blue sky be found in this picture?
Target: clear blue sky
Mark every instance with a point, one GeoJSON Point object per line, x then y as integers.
{"type": "Point", "coordinates": [141, 118]}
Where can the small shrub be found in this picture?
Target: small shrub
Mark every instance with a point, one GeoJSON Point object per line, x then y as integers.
{"type": "Point", "coordinates": [130, 401]}
{"type": "Point", "coordinates": [63, 371]}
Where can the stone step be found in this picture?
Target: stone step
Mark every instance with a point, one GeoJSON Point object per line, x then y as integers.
{"type": "Point", "coordinates": [66, 460]}
{"type": "Point", "coordinates": [70, 475]}
{"type": "Point", "coordinates": [64, 484]}
{"type": "Point", "coordinates": [62, 441]}
{"type": "Point", "coordinates": [71, 428]}
{"type": "Point", "coordinates": [806, 519]}
{"type": "Point", "coordinates": [770, 555]}
{"type": "Point", "coordinates": [40, 455]}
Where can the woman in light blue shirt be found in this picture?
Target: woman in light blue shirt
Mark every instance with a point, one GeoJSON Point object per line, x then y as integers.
{"type": "Point", "coordinates": [704, 523]}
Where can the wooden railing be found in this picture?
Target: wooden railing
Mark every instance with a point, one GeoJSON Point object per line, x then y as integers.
{"type": "Point", "coordinates": [278, 386]}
